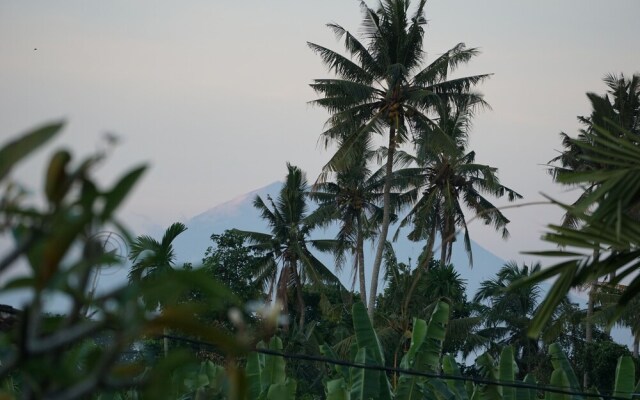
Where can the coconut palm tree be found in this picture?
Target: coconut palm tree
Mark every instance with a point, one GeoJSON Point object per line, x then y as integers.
{"type": "Point", "coordinates": [353, 200]}
{"type": "Point", "coordinates": [445, 181]}
{"type": "Point", "coordinates": [288, 261]}
{"type": "Point", "coordinates": [383, 87]}
{"type": "Point", "coordinates": [151, 259]}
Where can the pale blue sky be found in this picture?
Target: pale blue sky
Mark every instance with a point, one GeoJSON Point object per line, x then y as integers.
{"type": "Point", "coordinates": [213, 93]}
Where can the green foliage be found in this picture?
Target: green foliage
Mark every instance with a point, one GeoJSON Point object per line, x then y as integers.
{"type": "Point", "coordinates": [561, 363]}
{"type": "Point", "coordinates": [625, 377]}
{"type": "Point", "coordinates": [438, 283]}
{"type": "Point", "coordinates": [287, 259]}
{"type": "Point", "coordinates": [507, 315]}
{"type": "Point", "coordinates": [266, 376]}
{"type": "Point", "coordinates": [58, 357]}
{"type": "Point", "coordinates": [234, 265]}
{"type": "Point", "coordinates": [206, 381]}
{"type": "Point", "coordinates": [360, 383]}
{"type": "Point", "coordinates": [604, 160]}
{"type": "Point", "coordinates": [599, 360]}
{"type": "Point", "coordinates": [17, 150]}
{"type": "Point", "coordinates": [424, 354]}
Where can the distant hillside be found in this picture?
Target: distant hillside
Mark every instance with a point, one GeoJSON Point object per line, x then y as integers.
{"type": "Point", "coordinates": [239, 213]}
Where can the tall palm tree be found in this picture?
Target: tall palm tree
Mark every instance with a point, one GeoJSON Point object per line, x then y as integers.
{"type": "Point", "coordinates": [288, 261]}
{"type": "Point", "coordinates": [383, 87]}
{"type": "Point", "coordinates": [353, 200]}
{"type": "Point", "coordinates": [444, 181]}
{"type": "Point", "coordinates": [151, 259]}
{"type": "Point", "coordinates": [448, 179]}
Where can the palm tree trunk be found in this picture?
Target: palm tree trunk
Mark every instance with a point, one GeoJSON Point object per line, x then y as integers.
{"type": "Point", "coordinates": [296, 277]}
{"type": "Point", "coordinates": [281, 293]}
{"type": "Point", "coordinates": [443, 253]}
{"type": "Point", "coordinates": [444, 240]}
{"type": "Point", "coordinates": [360, 262]}
{"type": "Point", "coordinates": [165, 341]}
{"type": "Point", "coordinates": [384, 229]}
{"type": "Point", "coordinates": [588, 325]}
{"type": "Point", "coordinates": [423, 266]}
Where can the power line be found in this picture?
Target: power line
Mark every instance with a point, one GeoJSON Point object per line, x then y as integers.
{"type": "Point", "coordinates": [344, 363]}
{"type": "Point", "coordinates": [544, 388]}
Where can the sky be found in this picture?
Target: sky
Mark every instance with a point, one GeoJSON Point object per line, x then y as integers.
{"type": "Point", "coordinates": [213, 95]}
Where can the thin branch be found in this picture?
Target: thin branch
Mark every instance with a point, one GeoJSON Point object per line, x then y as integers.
{"type": "Point", "coordinates": [491, 210]}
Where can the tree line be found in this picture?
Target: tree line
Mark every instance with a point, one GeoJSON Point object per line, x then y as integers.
{"type": "Point", "coordinates": [268, 290]}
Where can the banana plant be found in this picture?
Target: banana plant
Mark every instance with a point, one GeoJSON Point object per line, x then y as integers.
{"type": "Point", "coordinates": [625, 376]}
{"type": "Point", "coordinates": [502, 371]}
{"type": "Point", "coordinates": [360, 383]}
{"type": "Point", "coordinates": [562, 375]}
{"type": "Point", "coordinates": [266, 376]}
{"type": "Point", "coordinates": [424, 356]}
{"type": "Point", "coordinates": [199, 382]}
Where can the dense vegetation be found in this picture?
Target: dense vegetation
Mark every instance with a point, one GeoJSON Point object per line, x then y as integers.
{"type": "Point", "coordinates": [263, 318]}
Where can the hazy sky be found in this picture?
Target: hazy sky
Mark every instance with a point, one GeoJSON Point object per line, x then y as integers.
{"type": "Point", "coordinates": [213, 94]}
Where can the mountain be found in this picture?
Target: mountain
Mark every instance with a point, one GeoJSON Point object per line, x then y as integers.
{"type": "Point", "coordinates": [239, 213]}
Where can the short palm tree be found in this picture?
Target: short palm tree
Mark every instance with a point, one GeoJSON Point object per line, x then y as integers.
{"type": "Point", "coordinates": [509, 312]}
{"type": "Point", "coordinates": [288, 261]}
{"type": "Point", "coordinates": [446, 180]}
{"type": "Point", "coordinates": [354, 201]}
{"type": "Point", "coordinates": [151, 259]}
{"type": "Point", "coordinates": [384, 88]}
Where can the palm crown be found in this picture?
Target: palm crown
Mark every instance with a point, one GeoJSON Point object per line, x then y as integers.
{"type": "Point", "coordinates": [288, 261]}
{"type": "Point", "coordinates": [353, 199]}
{"type": "Point", "coordinates": [446, 179]}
